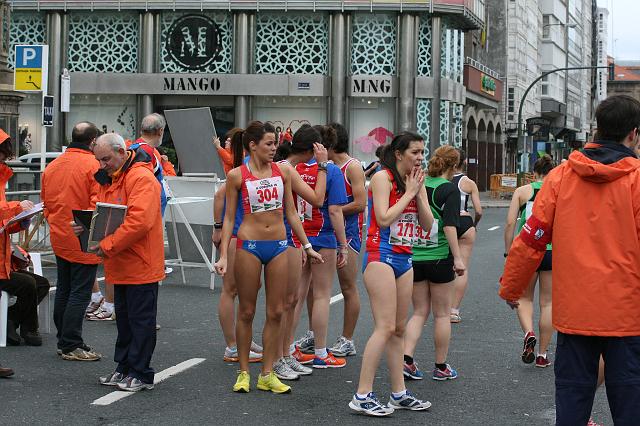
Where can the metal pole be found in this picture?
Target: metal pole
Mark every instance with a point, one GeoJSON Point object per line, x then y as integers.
{"type": "Point", "coordinates": [526, 92]}
{"type": "Point", "coordinates": [338, 68]}
{"type": "Point", "coordinates": [241, 57]}
{"type": "Point", "coordinates": [406, 93]}
{"type": "Point", "coordinates": [56, 40]}
{"type": "Point", "coordinates": [436, 41]}
{"type": "Point", "coordinates": [147, 60]}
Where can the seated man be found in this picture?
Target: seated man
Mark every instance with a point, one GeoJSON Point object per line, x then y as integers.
{"type": "Point", "coordinates": [29, 289]}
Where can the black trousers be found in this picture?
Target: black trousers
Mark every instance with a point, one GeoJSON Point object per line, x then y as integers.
{"type": "Point", "coordinates": [136, 307]}
{"type": "Point", "coordinates": [73, 294]}
{"type": "Point", "coordinates": [30, 289]}
{"type": "Point", "coordinates": [576, 370]}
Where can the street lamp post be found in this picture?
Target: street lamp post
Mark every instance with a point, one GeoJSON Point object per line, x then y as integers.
{"type": "Point", "coordinates": [526, 92]}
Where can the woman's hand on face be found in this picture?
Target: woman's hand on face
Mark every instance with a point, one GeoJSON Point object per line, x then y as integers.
{"type": "Point", "coordinates": [414, 181]}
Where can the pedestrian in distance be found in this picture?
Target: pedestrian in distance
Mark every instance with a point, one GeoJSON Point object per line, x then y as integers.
{"type": "Point", "coordinates": [520, 211]}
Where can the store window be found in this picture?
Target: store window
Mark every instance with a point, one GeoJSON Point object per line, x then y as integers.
{"type": "Point", "coordinates": [113, 113]}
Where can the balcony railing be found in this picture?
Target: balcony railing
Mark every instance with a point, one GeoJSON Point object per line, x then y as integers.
{"type": "Point", "coordinates": [474, 7]}
{"type": "Point", "coordinates": [485, 69]}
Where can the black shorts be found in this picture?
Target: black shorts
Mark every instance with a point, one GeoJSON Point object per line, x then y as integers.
{"type": "Point", "coordinates": [435, 271]}
{"type": "Point", "coordinates": [466, 223]}
{"type": "Point", "coordinates": [545, 265]}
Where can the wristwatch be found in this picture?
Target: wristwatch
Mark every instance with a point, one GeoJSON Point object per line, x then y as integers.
{"type": "Point", "coordinates": [323, 165]}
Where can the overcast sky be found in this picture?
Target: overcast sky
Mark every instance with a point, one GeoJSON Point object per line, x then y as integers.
{"type": "Point", "coordinates": [623, 28]}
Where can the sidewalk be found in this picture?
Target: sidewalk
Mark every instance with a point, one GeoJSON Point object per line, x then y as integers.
{"type": "Point", "coordinates": [488, 202]}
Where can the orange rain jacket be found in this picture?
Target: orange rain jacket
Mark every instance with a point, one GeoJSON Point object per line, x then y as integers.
{"type": "Point", "coordinates": [134, 254]}
{"type": "Point", "coordinates": [68, 184]}
{"type": "Point", "coordinates": [589, 207]}
{"type": "Point", "coordinates": [8, 209]}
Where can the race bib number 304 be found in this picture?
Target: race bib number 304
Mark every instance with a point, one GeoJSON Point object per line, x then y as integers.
{"type": "Point", "coordinates": [426, 239]}
{"type": "Point", "coordinates": [265, 194]}
{"type": "Point", "coordinates": [401, 231]}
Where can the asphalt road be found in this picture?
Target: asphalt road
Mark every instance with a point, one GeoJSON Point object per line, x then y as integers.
{"type": "Point", "coordinates": [494, 386]}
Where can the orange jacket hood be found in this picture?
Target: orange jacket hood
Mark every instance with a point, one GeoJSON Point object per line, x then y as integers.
{"type": "Point", "coordinates": [595, 171]}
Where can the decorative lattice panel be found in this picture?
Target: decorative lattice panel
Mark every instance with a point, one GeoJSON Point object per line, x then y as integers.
{"type": "Point", "coordinates": [222, 64]}
{"type": "Point", "coordinates": [445, 122]}
{"type": "Point", "coordinates": [103, 42]}
{"type": "Point", "coordinates": [291, 44]}
{"type": "Point", "coordinates": [460, 56]}
{"type": "Point", "coordinates": [445, 51]}
{"type": "Point", "coordinates": [423, 123]}
{"type": "Point", "coordinates": [373, 45]}
{"type": "Point", "coordinates": [26, 28]}
{"type": "Point", "coordinates": [457, 125]}
{"type": "Point", "coordinates": [424, 46]}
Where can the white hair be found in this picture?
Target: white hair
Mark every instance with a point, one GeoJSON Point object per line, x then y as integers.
{"type": "Point", "coordinates": [112, 140]}
{"type": "Point", "coordinates": [152, 123]}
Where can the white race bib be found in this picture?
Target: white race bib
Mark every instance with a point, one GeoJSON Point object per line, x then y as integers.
{"type": "Point", "coordinates": [426, 239]}
{"type": "Point", "coordinates": [265, 194]}
{"type": "Point", "coordinates": [401, 231]}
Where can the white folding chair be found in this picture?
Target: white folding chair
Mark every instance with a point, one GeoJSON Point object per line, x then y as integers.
{"type": "Point", "coordinates": [44, 308]}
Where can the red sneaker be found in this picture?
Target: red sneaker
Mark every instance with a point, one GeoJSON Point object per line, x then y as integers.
{"type": "Point", "coordinates": [528, 355]}
{"type": "Point", "coordinates": [329, 361]}
{"type": "Point", "coordinates": [542, 361]}
{"type": "Point", "coordinates": [302, 358]}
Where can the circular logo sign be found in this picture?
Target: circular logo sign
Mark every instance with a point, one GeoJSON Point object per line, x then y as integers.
{"type": "Point", "coordinates": [193, 41]}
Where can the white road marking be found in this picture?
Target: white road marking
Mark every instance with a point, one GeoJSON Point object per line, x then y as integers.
{"type": "Point", "coordinates": [493, 228]}
{"type": "Point", "coordinates": [335, 299]}
{"type": "Point", "coordinates": [161, 376]}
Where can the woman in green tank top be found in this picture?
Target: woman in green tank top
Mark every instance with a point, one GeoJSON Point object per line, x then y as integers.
{"type": "Point", "coordinates": [436, 261]}
{"type": "Point", "coordinates": [519, 211]}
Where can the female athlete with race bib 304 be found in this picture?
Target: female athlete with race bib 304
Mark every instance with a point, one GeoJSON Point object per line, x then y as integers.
{"type": "Point", "coordinates": [264, 189]}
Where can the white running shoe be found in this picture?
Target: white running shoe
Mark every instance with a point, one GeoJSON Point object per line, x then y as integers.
{"type": "Point", "coordinates": [282, 370]}
{"type": "Point", "coordinates": [297, 367]}
{"type": "Point", "coordinates": [343, 347]}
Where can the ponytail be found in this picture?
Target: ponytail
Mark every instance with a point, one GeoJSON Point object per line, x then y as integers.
{"type": "Point", "coordinates": [444, 158]}
{"type": "Point", "coordinates": [400, 143]}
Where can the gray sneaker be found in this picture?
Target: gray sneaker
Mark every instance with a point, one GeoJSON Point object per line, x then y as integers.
{"type": "Point", "coordinates": [343, 347]}
{"type": "Point", "coordinates": [112, 379]}
{"type": "Point", "coordinates": [81, 354]}
{"type": "Point", "coordinates": [282, 370]}
{"type": "Point", "coordinates": [231, 355]}
{"type": "Point", "coordinates": [297, 367]}
{"type": "Point", "coordinates": [306, 343]}
{"type": "Point", "coordinates": [131, 384]}
{"type": "Point", "coordinates": [256, 347]}
{"type": "Point", "coordinates": [408, 401]}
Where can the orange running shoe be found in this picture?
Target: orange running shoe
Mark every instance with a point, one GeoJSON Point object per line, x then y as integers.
{"type": "Point", "coordinates": [329, 361]}
{"type": "Point", "coordinates": [301, 357]}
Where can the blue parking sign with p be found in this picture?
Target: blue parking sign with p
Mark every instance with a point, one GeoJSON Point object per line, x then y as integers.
{"type": "Point", "coordinates": [28, 57]}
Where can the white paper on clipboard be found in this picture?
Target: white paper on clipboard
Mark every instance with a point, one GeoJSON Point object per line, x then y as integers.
{"type": "Point", "coordinates": [192, 131]}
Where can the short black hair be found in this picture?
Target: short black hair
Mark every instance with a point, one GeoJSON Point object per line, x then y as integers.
{"type": "Point", "coordinates": [84, 133]}
{"type": "Point", "coordinates": [342, 138]}
{"type": "Point", "coordinates": [616, 117]}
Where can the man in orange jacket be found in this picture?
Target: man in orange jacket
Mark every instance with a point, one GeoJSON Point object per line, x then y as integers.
{"type": "Point", "coordinates": [589, 208]}
{"type": "Point", "coordinates": [133, 258]}
{"type": "Point", "coordinates": [68, 184]}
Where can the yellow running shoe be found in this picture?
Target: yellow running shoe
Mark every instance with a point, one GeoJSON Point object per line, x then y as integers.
{"type": "Point", "coordinates": [242, 384]}
{"type": "Point", "coordinates": [270, 382]}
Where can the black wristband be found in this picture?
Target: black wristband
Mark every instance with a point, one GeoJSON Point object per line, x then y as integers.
{"type": "Point", "coordinates": [217, 225]}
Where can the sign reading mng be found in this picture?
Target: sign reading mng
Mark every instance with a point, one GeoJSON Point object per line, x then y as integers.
{"type": "Point", "coordinates": [30, 71]}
